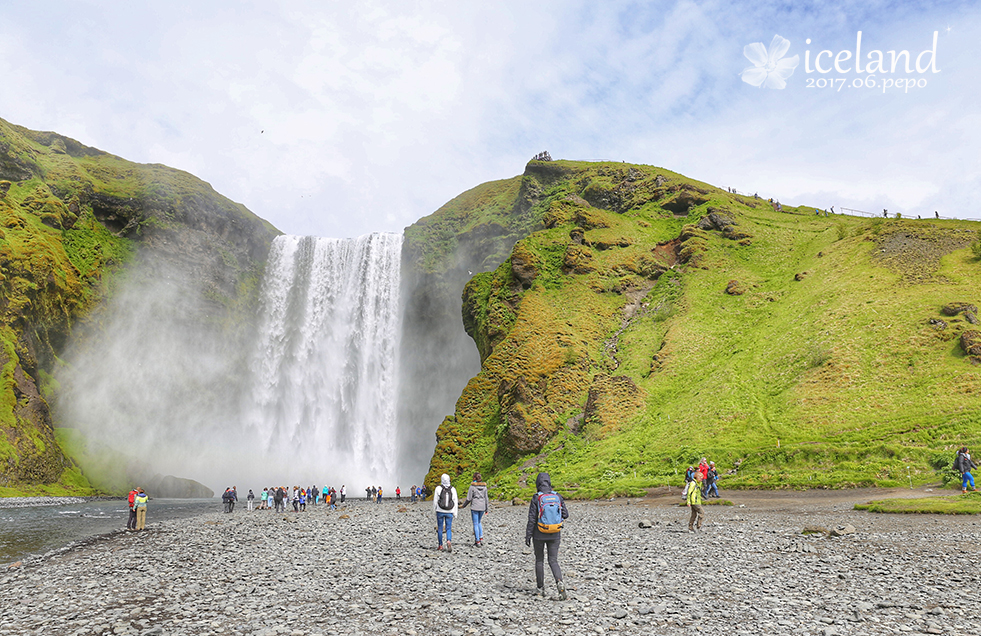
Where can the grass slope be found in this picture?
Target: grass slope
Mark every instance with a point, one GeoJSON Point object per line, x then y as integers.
{"type": "Point", "coordinates": [821, 371]}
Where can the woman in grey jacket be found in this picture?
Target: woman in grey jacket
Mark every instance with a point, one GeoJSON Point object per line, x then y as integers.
{"type": "Point", "coordinates": [479, 504]}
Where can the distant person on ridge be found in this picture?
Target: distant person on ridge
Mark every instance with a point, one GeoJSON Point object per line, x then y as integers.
{"type": "Point", "coordinates": [477, 495]}
{"type": "Point", "coordinates": [963, 464]}
{"type": "Point", "coordinates": [546, 512]}
{"type": "Point", "coordinates": [445, 503]}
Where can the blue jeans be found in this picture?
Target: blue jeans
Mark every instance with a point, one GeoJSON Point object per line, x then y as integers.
{"type": "Point", "coordinates": [966, 478]}
{"type": "Point", "coordinates": [441, 519]}
{"type": "Point", "coordinates": [478, 529]}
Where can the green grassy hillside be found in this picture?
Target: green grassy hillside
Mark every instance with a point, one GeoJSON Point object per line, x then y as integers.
{"type": "Point", "coordinates": [654, 320]}
{"type": "Point", "coordinates": [72, 219]}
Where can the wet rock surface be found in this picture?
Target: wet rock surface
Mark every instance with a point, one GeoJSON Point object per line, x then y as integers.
{"type": "Point", "coordinates": [749, 571]}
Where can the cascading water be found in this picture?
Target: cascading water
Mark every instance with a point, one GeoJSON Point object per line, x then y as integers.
{"type": "Point", "coordinates": [325, 367]}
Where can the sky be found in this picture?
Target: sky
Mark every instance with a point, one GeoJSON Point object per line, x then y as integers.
{"type": "Point", "coordinates": [339, 119]}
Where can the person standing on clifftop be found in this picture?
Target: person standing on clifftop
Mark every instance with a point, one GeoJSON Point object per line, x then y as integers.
{"type": "Point", "coordinates": [546, 512]}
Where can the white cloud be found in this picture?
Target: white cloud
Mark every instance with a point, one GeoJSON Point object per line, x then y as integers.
{"type": "Point", "coordinates": [339, 119]}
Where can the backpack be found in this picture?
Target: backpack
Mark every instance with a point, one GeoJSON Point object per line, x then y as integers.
{"type": "Point", "coordinates": [132, 498]}
{"type": "Point", "coordinates": [445, 498]}
{"type": "Point", "coordinates": [549, 513]}
{"type": "Point", "coordinates": [959, 462]}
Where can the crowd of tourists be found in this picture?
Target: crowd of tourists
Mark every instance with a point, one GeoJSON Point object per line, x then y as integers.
{"type": "Point", "coordinates": [547, 509]}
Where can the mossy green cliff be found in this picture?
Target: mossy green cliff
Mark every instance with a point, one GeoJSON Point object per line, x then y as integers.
{"type": "Point", "coordinates": [647, 320]}
{"type": "Point", "coordinates": [73, 220]}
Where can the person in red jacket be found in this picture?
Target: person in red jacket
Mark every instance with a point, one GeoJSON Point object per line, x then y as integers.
{"type": "Point", "coordinates": [703, 467]}
{"type": "Point", "coordinates": [131, 523]}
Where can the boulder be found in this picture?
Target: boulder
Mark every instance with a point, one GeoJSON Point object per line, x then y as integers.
{"type": "Point", "coordinates": [523, 266]}
{"type": "Point", "coordinates": [518, 502]}
{"type": "Point", "coordinates": [645, 523]}
{"type": "Point", "coordinates": [952, 309]}
{"type": "Point", "coordinates": [735, 288]}
{"type": "Point", "coordinates": [840, 531]}
{"type": "Point", "coordinates": [971, 343]}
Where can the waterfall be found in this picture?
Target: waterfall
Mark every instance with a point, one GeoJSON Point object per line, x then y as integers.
{"type": "Point", "coordinates": [324, 371]}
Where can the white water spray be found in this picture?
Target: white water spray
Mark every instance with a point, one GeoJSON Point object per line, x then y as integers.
{"type": "Point", "coordinates": [325, 367]}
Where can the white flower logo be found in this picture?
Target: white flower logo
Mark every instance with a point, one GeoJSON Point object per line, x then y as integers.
{"type": "Point", "coordinates": [768, 69]}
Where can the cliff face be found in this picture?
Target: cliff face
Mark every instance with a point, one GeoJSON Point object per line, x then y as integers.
{"type": "Point", "coordinates": [649, 320]}
{"type": "Point", "coordinates": [73, 221]}
{"type": "Point", "coordinates": [472, 233]}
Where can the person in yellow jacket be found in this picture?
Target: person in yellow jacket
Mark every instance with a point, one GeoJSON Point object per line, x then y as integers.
{"type": "Point", "coordinates": [694, 501]}
{"type": "Point", "coordinates": [139, 502]}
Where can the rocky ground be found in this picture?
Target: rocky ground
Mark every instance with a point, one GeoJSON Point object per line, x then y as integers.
{"type": "Point", "coordinates": [375, 571]}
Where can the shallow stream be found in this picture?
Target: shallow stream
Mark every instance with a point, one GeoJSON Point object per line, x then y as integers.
{"type": "Point", "coordinates": [35, 528]}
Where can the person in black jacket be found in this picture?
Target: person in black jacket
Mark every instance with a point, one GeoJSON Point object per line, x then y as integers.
{"type": "Point", "coordinates": [964, 464]}
{"type": "Point", "coordinates": [545, 541]}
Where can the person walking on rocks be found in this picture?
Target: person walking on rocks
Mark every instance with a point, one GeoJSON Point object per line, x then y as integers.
{"type": "Point", "coordinates": [379, 500]}
{"type": "Point", "coordinates": [131, 522]}
{"type": "Point", "coordinates": [280, 499]}
{"type": "Point", "coordinates": [479, 505]}
{"type": "Point", "coordinates": [694, 501]}
{"type": "Point", "coordinates": [964, 464]}
{"type": "Point", "coordinates": [343, 492]}
{"type": "Point", "coordinates": [226, 499]}
{"type": "Point", "coordinates": [264, 499]}
{"type": "Point", "coordinates": [251, 499]}
{"type": "Point", "coordinates": [139, 502]}
{"type": "Point", "coordinates": [546, 512]}
{"type": "Point", "coordinates": [445, 503]}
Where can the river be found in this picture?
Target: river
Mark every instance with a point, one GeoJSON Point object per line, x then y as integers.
{"type": "Point", "coordinates": [37, 526]}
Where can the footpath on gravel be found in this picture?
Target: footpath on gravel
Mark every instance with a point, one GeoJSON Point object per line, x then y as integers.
{"type": "Point", "coordinates": [749, 571]}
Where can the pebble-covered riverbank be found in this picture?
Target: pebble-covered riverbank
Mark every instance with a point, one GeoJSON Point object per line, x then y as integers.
{"type": "Point", "coordinates": [750, 571]}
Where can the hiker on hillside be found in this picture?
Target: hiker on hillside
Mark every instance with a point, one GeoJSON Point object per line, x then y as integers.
{"type": "Point", "coordinates": [963, 464]}
{"type": "Point", "coordinates": [694, 501]}
{"type": "Point", "coordinates": [477, 495]}
{"type": "Point", "coordinates": [546, 512]}
{"type": "Point", "coordinates": [445, 503]}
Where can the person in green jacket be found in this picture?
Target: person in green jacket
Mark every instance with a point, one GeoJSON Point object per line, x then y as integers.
{"type": "Point", "coordinates": [139, 502]}
{"type": "Point", "coordinates": [694, 501]}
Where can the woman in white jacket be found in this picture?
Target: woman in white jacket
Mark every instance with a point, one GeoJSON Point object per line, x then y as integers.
{"type": "Point", "coordinates": [445, 504]}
